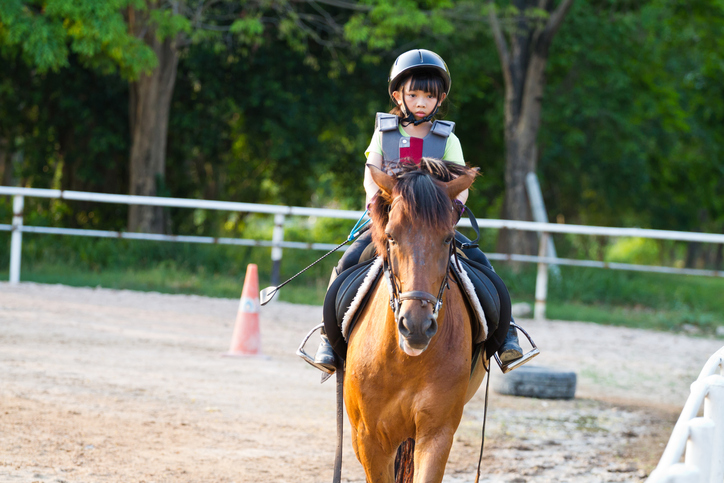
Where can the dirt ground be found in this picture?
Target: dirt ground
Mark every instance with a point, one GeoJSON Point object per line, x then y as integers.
{"type": "Point", "coordinates": [116, 386]}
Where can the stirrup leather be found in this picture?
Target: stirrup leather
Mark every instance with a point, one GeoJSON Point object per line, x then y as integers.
{"type": "Point", "coordinates": [307, 358]}
{"type": "Point", "coordinates": [506, 368]}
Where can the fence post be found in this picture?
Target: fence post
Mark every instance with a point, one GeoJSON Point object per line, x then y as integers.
{"type": "Point", "coordinates": [699, 446]}
{"type": "Point", "coordinates": [541, 281]}
{"type": "Point", "coordinates": [16, 240]}
{"type": "Point", "coordinates": [276, 253]}
{"type": "Point", "coordinates": [680, 473]}
{"type": "Point", "coordinates": [538, 208]}
{"type": "Point", "coordinates": [714, 410]}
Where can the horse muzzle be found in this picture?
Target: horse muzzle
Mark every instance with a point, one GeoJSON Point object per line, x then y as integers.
{"type": "Point", "coordinates": [416, 325]}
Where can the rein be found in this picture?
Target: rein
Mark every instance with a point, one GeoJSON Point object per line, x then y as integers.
{"type": "Point", "coordinates": [485, 417]}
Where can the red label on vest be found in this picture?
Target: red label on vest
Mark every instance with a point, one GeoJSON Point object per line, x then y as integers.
{"type": "Point", "coordinates": [413, 152]}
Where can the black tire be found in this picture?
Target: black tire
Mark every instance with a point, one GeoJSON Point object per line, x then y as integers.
{"type": "Point", "coordinates": [539, 382]}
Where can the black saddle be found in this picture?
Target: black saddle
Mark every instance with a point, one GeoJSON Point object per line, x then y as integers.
{"type": "Point", "coordinates": [340, 295]}
{"type": "Point", "coordinates": [494, 299]}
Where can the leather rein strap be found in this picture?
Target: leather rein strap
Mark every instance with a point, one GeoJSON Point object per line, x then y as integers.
{"type": "Point", "coordinates": [340, 421]}
{"type": "Point", "coordinates": [485, 417]}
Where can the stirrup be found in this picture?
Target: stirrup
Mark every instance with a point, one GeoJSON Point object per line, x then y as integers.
{"type": "Point", "coordinates": [506, 368]}
{"type": "Point", "coordinates": [307, 358]}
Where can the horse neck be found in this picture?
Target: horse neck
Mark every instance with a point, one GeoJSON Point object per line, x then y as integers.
{"type": "Point", "coordinates": [454, 320]}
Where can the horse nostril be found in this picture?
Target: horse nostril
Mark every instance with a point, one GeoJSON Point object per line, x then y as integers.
{"type": "Point", "coordinates": [430, 327]}
{"type": "Point", "coordinates": [402, 327]}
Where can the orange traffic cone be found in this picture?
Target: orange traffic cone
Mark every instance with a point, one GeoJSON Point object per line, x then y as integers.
{"type": "Point", "coordinates": [246, 340]}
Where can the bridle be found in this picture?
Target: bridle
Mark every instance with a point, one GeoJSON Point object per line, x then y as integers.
{"type": "Point", "coordinates": [397, 297]}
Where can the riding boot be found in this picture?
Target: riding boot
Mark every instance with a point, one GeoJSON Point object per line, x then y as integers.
{"type": "Point", "coordinates": [510, 350]}
{"type": "Point", "coordinates": [325, 356]}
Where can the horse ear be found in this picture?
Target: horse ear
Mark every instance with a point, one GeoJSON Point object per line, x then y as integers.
{"type": "Point", "coordinates": [461, 183]}
{"type": "Point", "coordinates": [382, 179]}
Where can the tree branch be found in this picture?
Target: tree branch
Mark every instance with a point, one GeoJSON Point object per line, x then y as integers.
{"type": "Point", "coordinates": [328, 20]}
{"type": "Point", "coordinates": [340, 4]}
{"type": "Point", "coordinates": [555, 21]}
{"type": "Point", "coordinates": [500, 43]}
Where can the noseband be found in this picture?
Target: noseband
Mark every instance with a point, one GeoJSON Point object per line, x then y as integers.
{"type": "Point", "coordinates": [397, 297]}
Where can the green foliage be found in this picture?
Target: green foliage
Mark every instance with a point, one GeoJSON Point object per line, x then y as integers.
{"type": "Point", "coordinates": [643, 251]}
{"type": "Point", "coordinates": [169, 24]}
{"type": "Point", "coordinates": [381, 26]}
{"type": "Point", "coordinates": [272, 111]}
{"type": "Point", "coordinates": [626, 136]}
{"type": "Point", "coordinates": [46, 32]}
{"type": "Point", "coordinates": [247, 29]}
{"type": "Point", "coordinates": [277, 138]}
{"type": "Point", "coordinates": [70, 136]}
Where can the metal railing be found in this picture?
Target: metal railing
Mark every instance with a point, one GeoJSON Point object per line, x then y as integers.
{"type": "Point", "coordinates": [700, 440]}
{"type": "Point", "coordinates": [280, 213]}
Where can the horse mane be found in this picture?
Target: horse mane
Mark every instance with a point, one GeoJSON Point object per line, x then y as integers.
{"type": "Point", "coordinates": [421, 197]}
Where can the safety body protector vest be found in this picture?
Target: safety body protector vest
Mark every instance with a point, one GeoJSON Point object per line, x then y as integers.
{"type": "Point", "coordinates": [397, 148]}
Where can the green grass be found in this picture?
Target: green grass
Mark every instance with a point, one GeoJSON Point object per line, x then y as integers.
{"type": "Point", "coordinates": [167, 279]}
{"type": "Point", "coordinates": [210, 270]}
{"type": "Point", "coordinates": [632, 299]}
{"type": "Point", "coordinates": [704, 323]}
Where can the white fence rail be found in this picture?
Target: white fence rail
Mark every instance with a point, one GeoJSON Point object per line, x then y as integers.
{"type": "Point", "coordinates": [280, 213]}
{"type": "Point", "coordinates": [699, 440]}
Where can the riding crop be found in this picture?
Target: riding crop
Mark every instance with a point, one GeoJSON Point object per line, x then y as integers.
{"type": "Point", "coordinates": [268, 293]}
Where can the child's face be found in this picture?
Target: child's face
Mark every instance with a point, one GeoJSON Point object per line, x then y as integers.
{"type": "Point", "coordinates": [419, 102]}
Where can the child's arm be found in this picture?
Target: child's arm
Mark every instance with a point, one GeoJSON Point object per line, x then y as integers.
{"type": "Point", "coordinates": [371, 187]}
{"type": "Point", "coordinates": [463, 196]}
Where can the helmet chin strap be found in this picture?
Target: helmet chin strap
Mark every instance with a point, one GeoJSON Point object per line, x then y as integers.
{"type": "Point", "coordinates": [410, 118]}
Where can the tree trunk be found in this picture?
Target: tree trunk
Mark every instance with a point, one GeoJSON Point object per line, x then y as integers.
{"type": "Point", "coordinates": [150, 103]}
{"type": "Point", "coordinates": [4, 163]}
{"type": "Point", "coordinates": [523, 59]}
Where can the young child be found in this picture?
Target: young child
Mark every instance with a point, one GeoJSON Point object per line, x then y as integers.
{"type": "Point", "coordinates": [419, 82]}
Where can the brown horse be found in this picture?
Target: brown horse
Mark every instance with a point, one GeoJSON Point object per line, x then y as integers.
{"type": "Point", "coordinates": [409, 359]}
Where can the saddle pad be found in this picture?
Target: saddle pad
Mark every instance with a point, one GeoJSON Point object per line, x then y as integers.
{"type": "Point", "coordinates": [343, 300]}
{"type": "Point", "coordinates": [499, 330]}
{"type": "Point", "coordinates": [357, 288]}
{"type": "Point", "coordinates": [482, 297]}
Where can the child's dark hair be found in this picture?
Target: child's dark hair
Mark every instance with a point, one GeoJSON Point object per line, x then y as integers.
{"type": "Point", "coordinates": [427, 81]}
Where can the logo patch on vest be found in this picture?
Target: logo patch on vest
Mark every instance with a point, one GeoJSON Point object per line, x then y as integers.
{"type": "Point", "coordinates": [413, 150]}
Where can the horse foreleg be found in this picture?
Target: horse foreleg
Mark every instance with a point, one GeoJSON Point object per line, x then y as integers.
{"type": "Point", "coordinates": [431, 452]}
{"type": "Point", "coordinates": [378, 463]}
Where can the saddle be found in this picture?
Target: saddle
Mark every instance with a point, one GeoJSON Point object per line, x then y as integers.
{"type": "Point", "coordinates": [483, 290]}
{"type": "Point", "coordinates": [344, 296]}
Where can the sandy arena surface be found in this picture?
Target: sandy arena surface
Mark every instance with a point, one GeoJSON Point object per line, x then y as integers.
{"type": "Point", "coordinates": [116, 386]}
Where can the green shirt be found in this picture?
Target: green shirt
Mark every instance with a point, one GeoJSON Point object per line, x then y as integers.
{"type": "Point", "coordinates": [453, 150]}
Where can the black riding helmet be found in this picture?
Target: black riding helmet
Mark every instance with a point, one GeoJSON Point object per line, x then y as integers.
{"type": "Point", "coordinates": [418, 60]}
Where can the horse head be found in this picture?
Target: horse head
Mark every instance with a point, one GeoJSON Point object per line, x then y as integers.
{"type": "Point", "coordinates": [413, 228]}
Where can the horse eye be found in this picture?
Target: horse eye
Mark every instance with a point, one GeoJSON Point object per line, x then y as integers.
{"type": "Point", "coordinates": [390, 238]}
{"type": "Point", "coordinates": [449, 239]}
